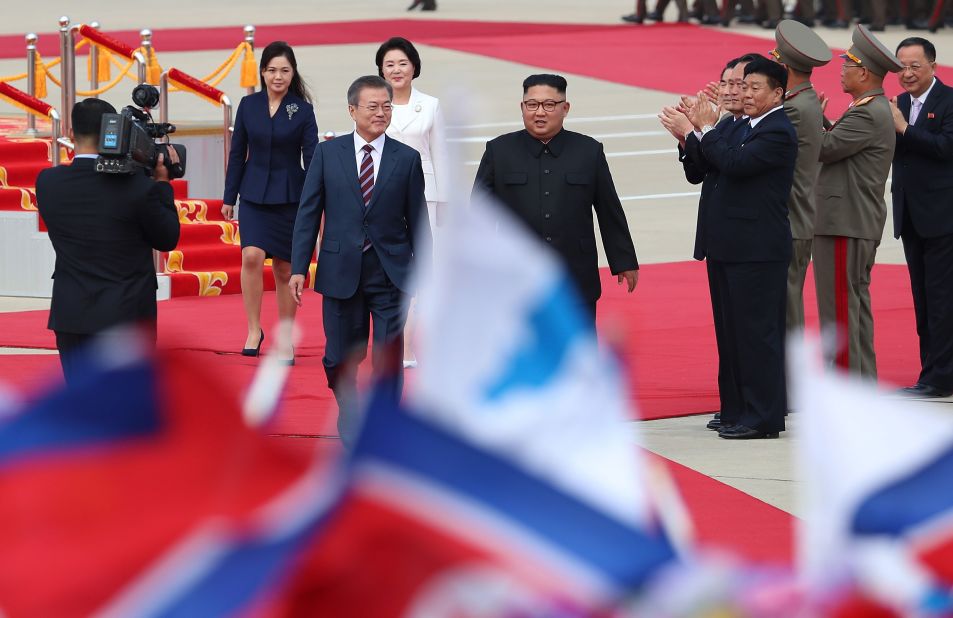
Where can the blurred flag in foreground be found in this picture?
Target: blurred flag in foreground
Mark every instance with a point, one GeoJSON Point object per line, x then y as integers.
{"type": "Point", "coordinates": [878, 488]}
{"type": "Point", "coordinates": [433, 525]}
{"type": "Point", "coordinates": [510, 362]}
{"type": "Point", "coordinates": [141, 492]}
{"type": "Point", "coordinates": [508, 485]}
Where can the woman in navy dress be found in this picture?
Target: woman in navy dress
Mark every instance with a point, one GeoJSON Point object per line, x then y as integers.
{"type": "Point", "coordinates": [275, 131]}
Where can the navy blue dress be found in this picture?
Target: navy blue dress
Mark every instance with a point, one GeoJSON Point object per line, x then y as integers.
{"type": "Point", "coordinates": [265, 169]}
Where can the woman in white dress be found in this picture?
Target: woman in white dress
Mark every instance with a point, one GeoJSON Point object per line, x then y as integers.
{"type": "Point", "coordinates": [417, 122]}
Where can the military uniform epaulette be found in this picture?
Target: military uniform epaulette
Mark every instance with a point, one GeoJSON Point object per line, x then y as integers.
{"type": "Point", "coordinates": [864, 101]}
{"type": "Point", "coordinates": [790, 95]}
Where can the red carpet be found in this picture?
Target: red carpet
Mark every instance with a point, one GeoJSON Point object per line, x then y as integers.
{"type": "Point", "coordinates": [725, 517]}
{"type": "Point", "coordinates": [664, 329]}
{"type": "Point", "coordinates": [619, 54]}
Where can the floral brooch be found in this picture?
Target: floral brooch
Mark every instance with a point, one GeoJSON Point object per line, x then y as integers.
{"type": "Point", "coordinates": [291, 108]}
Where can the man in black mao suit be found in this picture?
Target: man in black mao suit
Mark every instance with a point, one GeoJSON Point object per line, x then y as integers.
{"type": "Point", "coordinates": [748, 245]}
{"type": "Point", "coordinates": [552, 179]}
{"type": "Point", "coordinates": [923, 208]}
{"type": "Point", "coordinates": [103, 228]}
{"type": "Point", "coordinates": [370, 189]}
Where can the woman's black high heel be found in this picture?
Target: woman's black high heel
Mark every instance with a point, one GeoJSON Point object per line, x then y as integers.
{"type": "Point", "coordinates": [254, 351]}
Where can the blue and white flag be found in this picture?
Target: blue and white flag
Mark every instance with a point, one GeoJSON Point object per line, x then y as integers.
{"type": "Point", "coordinates": [877, 488]}
{"type": "Point", "coordinates": [509, 360]}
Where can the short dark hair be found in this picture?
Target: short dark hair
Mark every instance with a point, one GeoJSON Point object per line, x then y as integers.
{"type": "Point", "coordinates": [776, 74]}
{"type": "Point", "coordinates": [402, 44]}
{"type": "Point", "coordinates": [929, 50]}
{"type": "Point", "coordinates": [749, 58]}
{"type": "Point", "coordinates": [545, 79]}
{"type": "Point", "coordinates": [367, 81]}
{"type": "Point", "coordinates": [280, 48]}
{"type": "Point", "coordinates": [87, 117]}
{"type": "Point", "coordinates": [728, 66]}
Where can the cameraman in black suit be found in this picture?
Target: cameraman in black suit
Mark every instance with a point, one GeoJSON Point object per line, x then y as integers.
{"type": "Point", "coordinates": [103, 228]}
{"type": "Point", "coordinates": [553, 179]}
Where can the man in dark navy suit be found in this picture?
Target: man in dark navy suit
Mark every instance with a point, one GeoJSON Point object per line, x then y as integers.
{"type": "Point", "coordinates": [748, 245]}
{"type": "Point", "coordinates": [103, 228]}
{"type": "Point", "coordinates": [370, 189]}
{"type": "Point", "coordinates": [698, 170]}
{"type": "Point", "coordinates": [923, 208]}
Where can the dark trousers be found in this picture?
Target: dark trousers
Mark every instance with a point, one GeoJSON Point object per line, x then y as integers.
{"type": "Point", "coordinates": [347, 324]}
{"type": "Point", "coordinates": [930, 262]}
{"type": "Point", "coordinates": [729, 405]}
{"type": "Point", "coordinates": [72, 347]}
{"type": "Point", "coordinates": [751, 301]}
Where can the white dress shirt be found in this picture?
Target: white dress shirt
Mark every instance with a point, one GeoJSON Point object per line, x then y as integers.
{"type": "Point", "coordinates": [922, 99]}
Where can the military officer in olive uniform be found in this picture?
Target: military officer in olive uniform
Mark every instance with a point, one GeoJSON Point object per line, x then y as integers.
{"type": "Point", "coordinates": [856, 153]}
{"type": "Point", "coordinates": [799, 49]}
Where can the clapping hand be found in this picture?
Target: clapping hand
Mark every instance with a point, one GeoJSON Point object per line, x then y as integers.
{"type": "Point", "coordinates": [703, 112]}
{"type": "Point", "coordinates": [676, 123]}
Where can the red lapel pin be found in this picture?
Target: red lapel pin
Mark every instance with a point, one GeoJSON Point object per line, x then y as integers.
{"type": "Point", "coordinates": [930, 115]}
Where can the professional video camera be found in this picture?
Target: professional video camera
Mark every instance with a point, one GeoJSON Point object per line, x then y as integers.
{"type": "Point", "coordinates": [127, 140]}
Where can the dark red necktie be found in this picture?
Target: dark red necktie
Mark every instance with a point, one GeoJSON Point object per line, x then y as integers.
{"type": "Point", "coordinates": [366, 175]}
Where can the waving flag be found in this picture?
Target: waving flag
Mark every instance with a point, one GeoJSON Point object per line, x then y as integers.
{"type": "Point", "coordinates": [433, 525]}
{"type": "Point", "coordinates": [509, 362]}
{"type": "Point", "coordinates": [140, 492]}
{"type": "Point", "coordinates": [509, 484]}
{"type": "Point", "coordinates": [879, 505]}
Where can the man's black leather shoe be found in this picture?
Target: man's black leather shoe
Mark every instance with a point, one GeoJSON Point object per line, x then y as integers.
{"type": "Point", "coordinates": [918, 24]}
{"type": "Point", "coordinates": [741, 432]}
{"type": "Point", "coordinates": [769, 24]}
{"type": "Point", "coordinates": [835, 23]}
{"type": "Point", "coordinates": [709, 20]}
{"type": "Point", "coordinates": [654, 16]}
{"type": "Point", "coordinates": [714, 424]}
{"type": "Point", "coordinates": [633, 18]}
{"type": "Point", "coordinates": [925, 391]}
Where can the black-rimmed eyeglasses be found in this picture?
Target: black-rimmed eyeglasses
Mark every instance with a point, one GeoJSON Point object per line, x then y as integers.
{"type": "Point", "coordinates": [549, 105]}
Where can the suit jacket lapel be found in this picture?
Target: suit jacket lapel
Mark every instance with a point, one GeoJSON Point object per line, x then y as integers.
{"type": "Point", "coordinates": [349, 164]}
{"type": "Point", "coordinates": [903, 103]}
{"type": "Point", "coordinates": [388, 161]}
{"type": "Point", "coordinates": [929, 105]}
{"type": "Point", "coordinates": [413, 104]}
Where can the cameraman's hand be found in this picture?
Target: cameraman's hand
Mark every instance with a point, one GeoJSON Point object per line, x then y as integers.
{"type": "Point", "coordinates": [228, 211]}
{"type": "Point", "coordinates": [162, 172]}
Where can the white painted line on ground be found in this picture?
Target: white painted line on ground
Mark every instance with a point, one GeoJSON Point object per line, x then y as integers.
{"type": "Point", "coordinates": [611, 155]}
{"type": "Point", "coordinates": [486, 138]}
{"type": "Point", "coordinates": [659, 196]}
{"type": "Point", "coordinates": [571, 120]}
{"type": "Point", "coordinates": [642, 153]}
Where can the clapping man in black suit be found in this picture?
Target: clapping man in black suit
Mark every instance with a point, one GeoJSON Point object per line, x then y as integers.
{"type": "Point", "coordinates": [103, 228]}
{"type": "Point", "coordinates": [698, 170]}
{"type": "Point", "coordinates": [748, 245]}
{"type": "Point", "coordinates": [923, 208]}
{"type": "Point", "coordinates": [552, 179]}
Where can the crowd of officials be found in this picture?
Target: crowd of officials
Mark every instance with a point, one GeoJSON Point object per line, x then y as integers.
{"type": "Point", "coordinates": [876, 14]}
{"type": "Point", "coordinates": [782, 186]}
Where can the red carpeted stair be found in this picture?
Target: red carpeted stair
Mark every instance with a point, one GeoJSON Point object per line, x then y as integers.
{"type": "Point", "coordinates": [207, 261]}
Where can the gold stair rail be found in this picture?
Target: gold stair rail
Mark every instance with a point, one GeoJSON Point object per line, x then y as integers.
{"type": "Point", "coordinates": [36, 107]}
{"type": "Point", "coordinates": [184, 81]}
